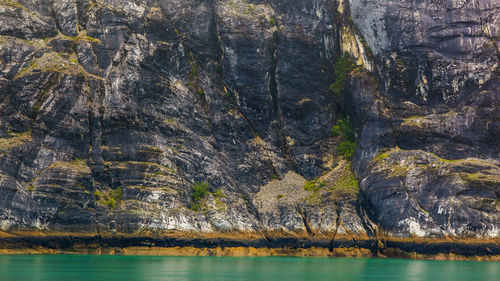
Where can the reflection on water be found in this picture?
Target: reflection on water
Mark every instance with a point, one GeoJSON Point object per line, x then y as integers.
{"type": "Point", "coordinates": [89, 267]}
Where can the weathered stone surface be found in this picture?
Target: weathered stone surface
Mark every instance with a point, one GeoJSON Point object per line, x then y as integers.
{"type": "Point", "coordinates": [110, 111]}
{"type": "Point", "coordinates": [433, 117]}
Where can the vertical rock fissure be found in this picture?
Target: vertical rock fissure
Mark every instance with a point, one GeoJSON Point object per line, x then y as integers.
{"type": "Point", "coordinates": [273, 90]}
{"type": "Point", "coordinates": [337, 225]}
{"type": "Point", "coordinates": [305, 221]}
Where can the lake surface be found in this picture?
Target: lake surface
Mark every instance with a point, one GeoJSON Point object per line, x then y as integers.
{"type": "Point", "coordinates": [93, 267]}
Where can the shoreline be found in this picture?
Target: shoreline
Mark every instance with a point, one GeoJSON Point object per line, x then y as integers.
{"type": "Point", "coordinates": [418, 248]}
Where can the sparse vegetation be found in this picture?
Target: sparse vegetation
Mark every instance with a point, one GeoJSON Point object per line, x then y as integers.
{"type": "Point", "coordinates": [14, 139]}
{"type": "Point", "coordinates": [381, 156]}
{"type": "Point", "coordinates": [12, 3]}
{"type": "Point", "coordinates": [111, 203]}
{"type": "Point", "coordinates": [115, 196]}
{"type": "Point", "coordinates": [218, 193]}
{"type": "Point", "coordinates": [272, 21]}
{"type": "Point", "coordinates": [335, 131]}
{"type": "Point", "coordinates": [413, 121]}
{"type": "Point", "coordinates": [342, 68]}
{"type": "Point", "coordinates": [80, 185]}
{"type": "Point", "coordinates": [200, 190]}
{"type": "Point", "coordinates": [344, 129]}
{"type": "Point", "coordinates": [347, 149]}
{"type": "Point", "coordinates": [346, 181]}
{"type": "Point", "coordinates": [112, 198]}
{"type": "Point", "coordinates": [314, 185]}
{"type": "Point", "coordinates": [279, 196]}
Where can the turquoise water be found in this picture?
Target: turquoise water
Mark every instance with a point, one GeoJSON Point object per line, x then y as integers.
{"type": "Point", "coordinates": [90, 267]}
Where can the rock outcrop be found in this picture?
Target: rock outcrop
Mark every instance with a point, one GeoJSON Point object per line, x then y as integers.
{"type": "Point", "coordinates": [114, 112]}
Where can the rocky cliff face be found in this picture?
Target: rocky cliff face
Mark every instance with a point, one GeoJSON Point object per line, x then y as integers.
{"type": "Point", "coordinates": [113, 114]}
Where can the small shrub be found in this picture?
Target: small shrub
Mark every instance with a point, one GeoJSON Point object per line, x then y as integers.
{"type": "Point", "coordinates": [97, 195]}
{"type": "Point", "coordinates": [335, 131]}
{"type": "Point", "coordinates": [342, 68]}
{"type": "Point", "coordinates": [279, 196]}
{"type": "Point", "coordinates": [80, 185]}
{"type": "Point", "coordinates": [347, 149]}
{"type": "Point", "coordinates": [111, 203]}
{"type": "Point", "coordinates": [347, 146]}
{"type": "Point", "coordinates": [200, 190]}
{"type": "Point", "coordinates": [346, 130]}
{"type": "Point", "coordinates": [117, 194]}
{"type": "Point", "coordinates": [272, 21]}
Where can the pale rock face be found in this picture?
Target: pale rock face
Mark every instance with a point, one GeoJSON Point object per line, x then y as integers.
{"type": "Point", "coordinates": [136, 101]}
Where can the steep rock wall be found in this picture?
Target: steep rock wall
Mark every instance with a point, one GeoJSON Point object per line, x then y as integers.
{"type": "Point", "coordinates": [136, 101]}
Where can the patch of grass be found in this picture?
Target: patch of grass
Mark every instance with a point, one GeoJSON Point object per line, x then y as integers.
{"type": "Point", "coordinates": [218, 193]}
{"type": "Point", "coordinates": [413, 120]}
{"type": "Point", "coordinates": [15, 139]}
{"type": "Point", "coordinates": [314, 185]}
{"type": "Point", "coordinates": [346, 181]}
{"type": "Point", "coordinates": [12, 3]}
{"type": "Point", "coordinates": [111, 203]}
{"type": "Point", "coordinates": [91, 39]}
{"type": "Point", "coordinates": [80, 185]}
{"type": "Point", "coordinates": [97, 195]}
{"type": "Point", "coordinates": [114, 197]}
{"type": "Point", "coordinates": [279, 196]}
{"type": "Point", "coordinates": [313, 198]}
{"type": "Point", "coordinates": [56, 62]}
{"type": "Point", "coordinates": [398, 170]}
{"type": "Point", "coordinates": [79, 162]}
{"type": "Point", "coordinates": [381, 156]}
{"type": "Point", "coordinates": [31, 188]}
{"type": "Point", "coordinates": [32, 65]}
{"type": "Point", "coordinates": [487, 179]}
{"type": "Point", "coordinates": [117, 194]}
